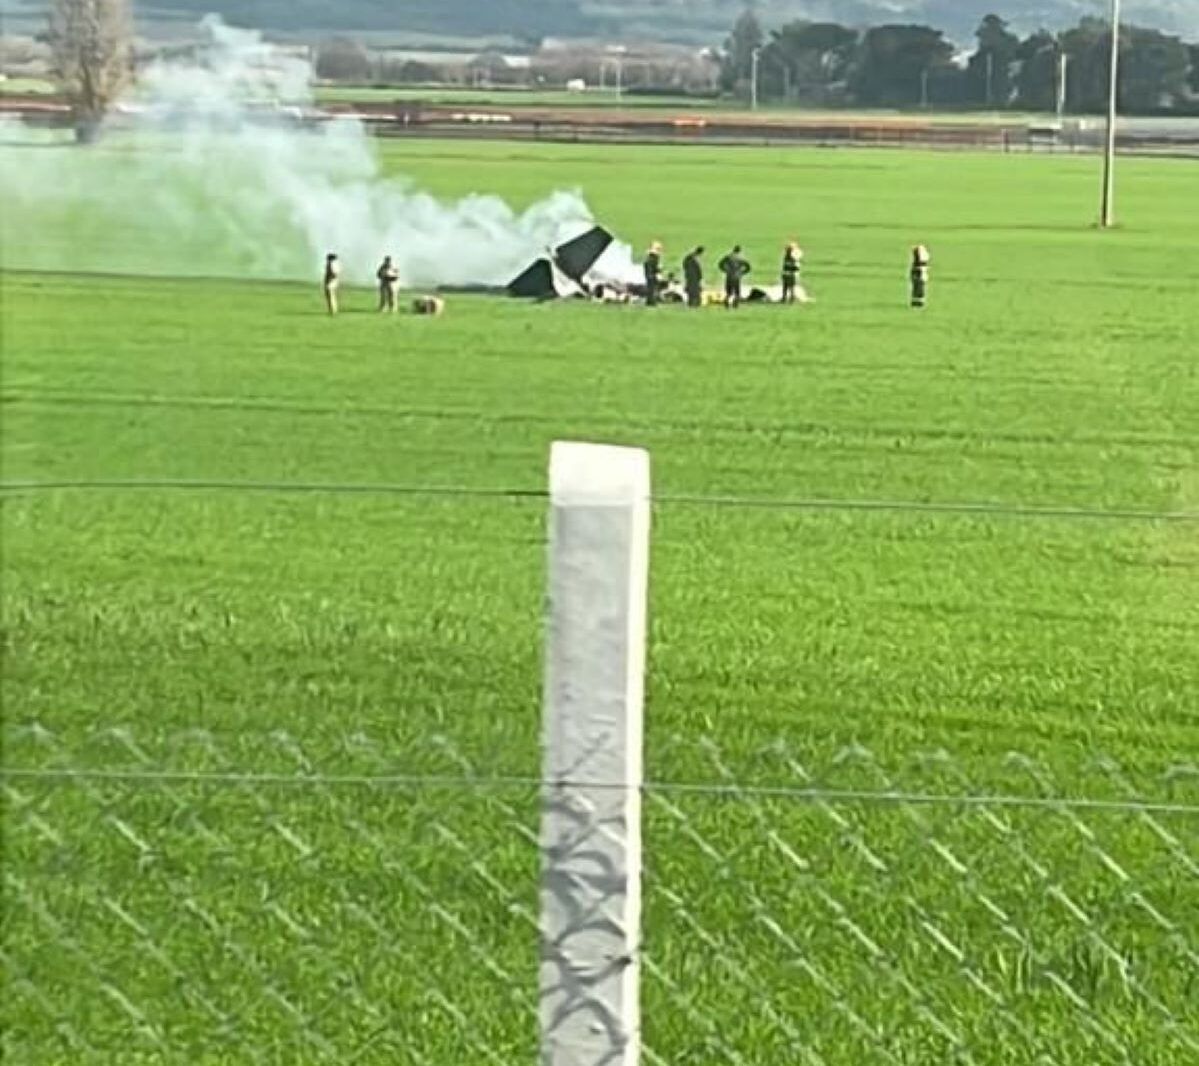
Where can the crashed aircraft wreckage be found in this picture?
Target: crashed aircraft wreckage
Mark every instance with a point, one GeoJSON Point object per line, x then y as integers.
{"type": "Point", "coordinates": [573, 271]}
{"type": "Point", "coordinates": [570, 272]}
{"type": "Point", "coordinates": [565, 271]}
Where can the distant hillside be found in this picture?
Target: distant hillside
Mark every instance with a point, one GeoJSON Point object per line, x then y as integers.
{"type": "Point", "coordinates": [467, 18]}
{"type": "Point", "coordinates": [958, 18]}
{"type": "Point", "coordinates": [442, 18]}
{"type": "Point", "coordinates": [679, 20]}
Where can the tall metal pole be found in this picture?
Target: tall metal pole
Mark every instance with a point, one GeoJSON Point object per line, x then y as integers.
{"type": "Point", "coordinates": [1107, 210]}
{"type": "Point", "coordinates": [753, 79]}
{"type": "Point", "coordinates": [1063, 62]}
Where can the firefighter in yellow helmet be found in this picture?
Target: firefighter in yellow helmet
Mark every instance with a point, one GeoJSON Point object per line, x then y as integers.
{"type": "Point", "coordinates": [918, 275]}
{"type": "Point", "coordinates": [792, 258]}
{"type": "Point", "coordinates": [653, 274]}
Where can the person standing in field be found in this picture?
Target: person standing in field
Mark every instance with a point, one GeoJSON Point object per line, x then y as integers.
{"type": "Point", "coordinates": [389, 281]}
{"type": "Point", "coordinates": [653, 274]}
{"type": "Point", "coordinates": [792, 257]}
{"type": "Point", "coordinates": [734, 267]}
{"type": "Point", "coordinates": [693, 277]}
{"type": "Point", "coordinates": [332, 282]}
{"type": "Point", "coordinates": [918, 275]}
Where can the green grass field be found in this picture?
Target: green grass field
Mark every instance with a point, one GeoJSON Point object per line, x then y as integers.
{"type": "Point", "coordinates": [595, 99]}
{"type": "Point", "coordinates": [518, 98]}
{"type": "Point", "coordinates": [26, 87]}
{"type": "Point", "coordinates": [607, 100]}
{"type": "Point", "coordinates": [346, 635]}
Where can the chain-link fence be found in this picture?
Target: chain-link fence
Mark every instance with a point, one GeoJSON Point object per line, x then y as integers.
{"type": "Point", "coordinates": [337, 893]}
{"type": "Point", "coordinates": [862, 910]}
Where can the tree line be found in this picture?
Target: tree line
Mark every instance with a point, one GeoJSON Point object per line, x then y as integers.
{"type": "Point", "coordinates": [826, 64]}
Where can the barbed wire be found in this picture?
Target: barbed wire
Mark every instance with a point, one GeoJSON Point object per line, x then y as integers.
{"type": "Point", "coordinates": [466, 492]}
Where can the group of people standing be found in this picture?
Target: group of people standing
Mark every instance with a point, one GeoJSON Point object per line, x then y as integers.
{"type": "Point", "coordinates": [388, 277]}
{"type": "Point", "coordinates": [734, 268]}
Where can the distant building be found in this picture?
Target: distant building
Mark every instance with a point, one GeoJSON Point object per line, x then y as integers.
{"type": "Point", "coordinates": [497, 68]}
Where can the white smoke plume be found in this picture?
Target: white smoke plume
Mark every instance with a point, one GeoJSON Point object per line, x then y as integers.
{"type": "Point", "coordinates": [207, 170]}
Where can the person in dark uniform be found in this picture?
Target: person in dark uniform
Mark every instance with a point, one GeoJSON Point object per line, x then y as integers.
{"type": "Point", "coordinates": [693, 277]}
{"type": "Point", "coordinates": [653, 274]}
{"type": "Point", "coordinates": [792, 256]}
{"type": "Point", "coordinates": [389, 282]}
{"type": "Point", "coordinates": [919, 275]}
{"type": "Point", "coordinates": [734, 267]}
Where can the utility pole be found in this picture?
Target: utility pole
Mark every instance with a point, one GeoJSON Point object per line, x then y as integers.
{"type": "Point", "coordinates": [1063, 62]}
{"type": "Point", "coordinates": [990, 76]}
{"type": "Point", "coordinates": [1107, 209]}
{"type": "Point", "coordinates": [616, 58]}
{"type": "Point", "coordinates": [755, 62]}
{"type": "Point", "coordinates": [924, 88]}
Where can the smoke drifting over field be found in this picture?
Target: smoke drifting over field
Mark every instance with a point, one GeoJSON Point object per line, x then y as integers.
{"type": "Point", "coordinates": [207, 172]}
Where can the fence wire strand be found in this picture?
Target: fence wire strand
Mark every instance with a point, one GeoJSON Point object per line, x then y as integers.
{"type": "Point", "coordinates": [856, 911]}
{"type": "Point", "coordinates": [761, 503]}
{"type": "Point", "coordinates": [848, 917]}
{"type": "Point", "coordinates": [416, 782]}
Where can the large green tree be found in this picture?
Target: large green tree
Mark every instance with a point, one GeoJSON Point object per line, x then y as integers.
{"type": "Point", "coordinates": [737, 66]}
{"type": "Point", "coordinates": [902, 66]}
{"type": "Point", "coordinates": [1154, 70]}
{"type": "Point", "coordinates": [1087, 46]}
{"type": "Point", "coordinates": [1037, 72]}
{"type": "Point", "coordinates": [990, 73]}
{"type": "Point", "coordinates": [809, 61]}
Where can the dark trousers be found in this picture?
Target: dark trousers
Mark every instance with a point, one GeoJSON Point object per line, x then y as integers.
{"type": "Point", "coordinates": [694, 296]}
{"type": "Point", "coordinates": [919, 292]}
{"type": "Point", "coordinates": [732, 293]}
{"type": "Point", "coordinates": [789, 281]}
{"type": "Point", "coordinates": [652, 288]}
